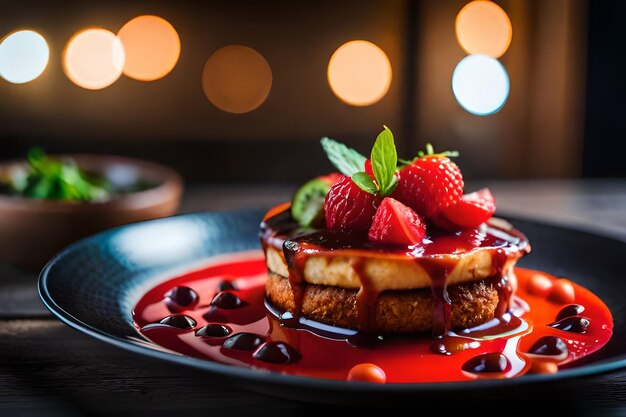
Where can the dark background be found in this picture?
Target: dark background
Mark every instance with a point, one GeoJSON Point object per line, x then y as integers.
{"type": "Point", "coordinates": [546, 129]}
{"type": "Point", "coordinates": [605, 129]}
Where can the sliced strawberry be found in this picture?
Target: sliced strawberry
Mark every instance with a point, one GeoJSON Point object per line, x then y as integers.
{"type": "Point", "coordinates": [430, 184]}
{"type": "Point", "coordinates": [347, 207]}
{"type": "Point", "coordinates": [473, 210]}
{"type": "Point", "coordinates": [395, 223]}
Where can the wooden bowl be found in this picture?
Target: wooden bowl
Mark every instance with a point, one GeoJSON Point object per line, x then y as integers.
{"type": "Point", "coordinates": [32, 231]}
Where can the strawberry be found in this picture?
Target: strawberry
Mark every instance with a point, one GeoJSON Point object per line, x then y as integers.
{"type": "Point", "coordinates": [348, 207]}
{"type": "Point", "coordinates": [395, 223]}
{"type": "Point", "coordinates": [368, 168]}
{"type": "Point", "coordinates": [430, 184]}
{"type": "Point", "coordinates": [470, 212]}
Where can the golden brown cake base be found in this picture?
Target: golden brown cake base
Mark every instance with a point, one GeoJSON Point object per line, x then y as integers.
{"type": "Point", "coordinates": [402, 311]}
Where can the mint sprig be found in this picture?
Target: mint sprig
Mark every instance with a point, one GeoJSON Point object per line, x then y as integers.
{"type": "Point", "coordinates": [365, 182]}
{"type": "Point", "coordinates": [384, 159]}
{"type": "Point", "coordinates": [345, 159]}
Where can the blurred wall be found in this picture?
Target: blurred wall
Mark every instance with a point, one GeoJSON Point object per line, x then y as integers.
{"type": "Point", "coordinates": [538, 132]}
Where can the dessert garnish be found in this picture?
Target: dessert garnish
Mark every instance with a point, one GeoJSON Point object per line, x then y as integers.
{"type": "Point", "coordinates": [386, 271]}
{"type": "Point", "coordinates": [393, 241]}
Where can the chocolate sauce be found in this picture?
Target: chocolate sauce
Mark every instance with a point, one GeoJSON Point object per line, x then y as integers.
{"type": "Point", "coordinates": [276, 352]}
{"type": "Point", "coordinates": [213, 330]}
{"type": "Point", "coordinates": [295, 259]}
{"type": "Point", "coordinates": [572, 324]}
{"type": "Point", "coordinates": [570, 311]}
{"type": "Point", "coordinates": [487, 363]}
{"type": "Point", "coordinates": [226, 286]}
{"type": "Point", "coordinates": [550, 346]}
{"type": "Point", "coordinates": [366, 299]}
{"type": "Point", "coordinates": [243, 341]}
{"type": "Point", "coordinates": [502, 278]}
{"type": "Point", "coordinates": [181, 298]}
{"type": "Point", "coordinates": [227, 300]}
{"type": "Point", "coordinates": [438, 270]}
{"type": "Point", "coordinates": [178, 321]}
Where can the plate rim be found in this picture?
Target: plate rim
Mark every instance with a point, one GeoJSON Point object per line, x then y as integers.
{"type": "Point", "coordinates": [276, 378]}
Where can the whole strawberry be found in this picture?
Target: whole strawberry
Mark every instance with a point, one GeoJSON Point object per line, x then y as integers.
{"type": "Point", "coordinates": [352, 202]}
{"type": "Point", "coordinates": [348, 207]}
{"type": "Point", "coordinates": [430, 183]}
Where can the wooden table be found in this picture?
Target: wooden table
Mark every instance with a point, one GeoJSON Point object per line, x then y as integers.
{"type": "Point", "coordinates": [48, 369]}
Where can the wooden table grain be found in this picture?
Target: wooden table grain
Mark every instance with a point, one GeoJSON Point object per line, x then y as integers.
{"type": "Point", "coordinates": [49, 369]}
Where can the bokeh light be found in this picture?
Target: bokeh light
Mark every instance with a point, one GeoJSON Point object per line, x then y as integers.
{"type": "Point", "coordinates": [94, 59]}
{"type": "Point", "coordinates": [359, 73]}
{"type": "Point", "coordinates": [480, 84]}
{"type": "Point", "coordinates": [24, 55]}
{"type": "Point", "coordinates": [482, 27]}
{"type": "Point", "coordinates": [152, 47]}
{"type": "Point", "coordinates": [237, 79]}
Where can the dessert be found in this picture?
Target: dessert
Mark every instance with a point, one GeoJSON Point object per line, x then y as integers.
{"type": "Point", "coordinates": [391, 274]}
{"type": "Point", "coordinates": [391, 250]}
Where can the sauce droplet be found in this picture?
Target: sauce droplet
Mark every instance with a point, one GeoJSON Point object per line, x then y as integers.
{"type": "Point", "coordinates": [572, 324]}
{"type": "Point", "coordinates": [562, 292]}
{"type": "Point", "coordinates": [180, 321]}
{"type": "Point", "coordinates": [276, 352]}
{"type": "Point", "coordinates": [549, 345]}
{"type": "Point", "coordinates": [487, 363]}
{"type": "Point", "coordinates": [367, 372]}
{"type": "Point", "coordinates": [181, 298]}
{"type": "Point", "coordinates": [226, 285]}
{"type": "Point", "coordinates": [213, 330]}
{"type": "Point", "coordinates": [227, 300]}
{"type": "Point", "coordinates": [570, 311]}
{"type": "Point", "coordinates": [243, 341]}
{"type": "Point", "coordinates": [539, 285]}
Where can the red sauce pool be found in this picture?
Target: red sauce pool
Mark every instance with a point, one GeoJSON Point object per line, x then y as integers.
{"type": "Point", "coordinates": [319, 351]}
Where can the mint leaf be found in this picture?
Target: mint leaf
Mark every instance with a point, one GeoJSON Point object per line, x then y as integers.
{"type": "Point", "coordinates": [365, 182]}
{"type": "Point", "coordinates": [346, 160]}
{"type": "Point", "coordinates": [384, 160]}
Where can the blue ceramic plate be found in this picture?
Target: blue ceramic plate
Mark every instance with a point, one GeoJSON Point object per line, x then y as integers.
{"type": "Point", "coordinates": [94, 285]}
